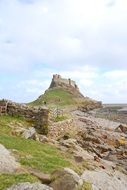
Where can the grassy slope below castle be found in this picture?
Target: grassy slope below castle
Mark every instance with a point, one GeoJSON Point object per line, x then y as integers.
{"type": "Point", "coordinates": [62, 98]}
{"type": "Point", "coordinates": [55, 96]}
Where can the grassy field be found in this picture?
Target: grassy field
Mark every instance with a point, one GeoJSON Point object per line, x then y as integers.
{"type": "Point", "coordinates": [58, 97]}
{"type": "Point", "coordinates": [29, 153]}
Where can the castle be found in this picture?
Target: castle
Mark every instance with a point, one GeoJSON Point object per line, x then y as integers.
{"type": "Point", "coordinates": [57, 80]}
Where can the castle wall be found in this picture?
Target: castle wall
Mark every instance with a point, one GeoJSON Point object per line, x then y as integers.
{"type": "Point", "coordinates": [58, 79]}
{"type": "Point", "coordinates": [38, 116]}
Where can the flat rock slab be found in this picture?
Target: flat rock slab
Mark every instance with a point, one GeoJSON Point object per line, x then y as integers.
{"type": "Point", "coordinates": [66, 179]}
{"type": "Point", "coordinates": [106, 181]}
{"type": "Point", "coordinates": [30, 186]}
{"type": "Point", "coordinates": [8, 163]}
{"type": "Point", "coordinates": [45, 178]}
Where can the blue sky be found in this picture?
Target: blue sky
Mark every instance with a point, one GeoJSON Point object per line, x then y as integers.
{"type": "Point", "coordinates": [79, 39]}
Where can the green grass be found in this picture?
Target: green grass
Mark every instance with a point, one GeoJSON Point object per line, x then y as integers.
{"type": "Point", "coordinates": [6, 122]}
{"type": "Point", "coordinates": [57, 96]}
{"type": "Point", "coordinates": [60, 118]}
{"type": "Point", "coordinates": [34, 154]}
{"type": "Point", "coordinates": [30, 153]}
{"type": "Point", "coordinates": [61, 98]}
{"type": "Point", "coordinates": [7, 118]}
{"type": "Point", "coordinates": [87, 186]}
{"type": "Point", "coordinates": [7, 180]}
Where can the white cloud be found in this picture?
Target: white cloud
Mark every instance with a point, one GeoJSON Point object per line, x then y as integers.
{"type": "Point", "coordinates": [116, 75]}
{"type": "Point", "coordinates": [76, 38]}
{"type": "Point", "coordinates": [59, 32]}
{"type": "Point", "coordinates": [114, 88]}
{"type": "Point", "coordinates": [110, 86]}
{"type": "Point", "coordinates": [34, 86]}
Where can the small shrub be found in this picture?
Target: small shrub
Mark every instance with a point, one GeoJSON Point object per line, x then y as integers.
{"type": "Point", "coordinates": [87, 186]}
{"type": "Point", "coordinates": [60, 118]}
{"type": "Point", "coordinates": [45, 130]}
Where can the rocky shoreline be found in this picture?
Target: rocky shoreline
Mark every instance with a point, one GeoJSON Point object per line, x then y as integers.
{"type": "Point", "coordinates": [98, 146]}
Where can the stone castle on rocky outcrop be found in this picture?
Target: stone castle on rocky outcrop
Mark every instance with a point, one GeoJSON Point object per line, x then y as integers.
{"type": "Point", "coordinates": [67, 84]}
{"type": "Point", "coordinates": [58, 81]}
{"type": "Point", "coordinates": [69, 87]}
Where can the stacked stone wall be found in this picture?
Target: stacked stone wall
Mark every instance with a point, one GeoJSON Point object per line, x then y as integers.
{"type": "Point", "coordinates": [3, 107]}
{"type": "Point", "coordinates": [39, 116]}
{"type": "Point", "coordinates": [61, 128]}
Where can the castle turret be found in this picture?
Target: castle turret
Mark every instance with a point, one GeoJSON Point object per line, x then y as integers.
{"type": "Point", "coordinates": [69, 81]}
{"type": "Point", "coordinates": [56, 77]}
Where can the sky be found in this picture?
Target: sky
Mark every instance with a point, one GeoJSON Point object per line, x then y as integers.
{"type": "Point", "coordinates": [85, 40]}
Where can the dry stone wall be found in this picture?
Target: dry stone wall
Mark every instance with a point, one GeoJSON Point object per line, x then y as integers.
{"type": "Point", "coordinates": [39, 116]}
{"type": "Point", "coordinates": [61, 128]}
{"type": "Point", "coordinates": [3, 107]}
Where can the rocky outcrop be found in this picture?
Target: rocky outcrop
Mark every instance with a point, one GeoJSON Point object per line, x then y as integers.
{"type": "Point", "coordinates": [66, 179]}
{"type": "Point", "coordinates": [89, 105]}
{"type": "Point", "coordinates": [99, 136]}
{"type": "Point", "coordinates": [65, 92]}
{"type": "Point", "coordinates": [122, 128]}
{"type": "Point", "coordinates": [61, 128]}
{"type": "Point", "coordinates": [105, 180]}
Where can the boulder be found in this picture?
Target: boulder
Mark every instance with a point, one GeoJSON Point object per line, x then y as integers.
{"type": "Point", "coordinates": [104, 180]}
{"type": "Point", "coordinates": [43, 138]}
{"type": "Point", "coordinates": [75, 175]}
{"type": "Point", "coordinates": [66, 179]}
{"type": "Point", "coordinates": [104, 148]}
{"type": "Point", "coordinates": [91, 138]}
{"type": "Point", "coordinates": [44, 178]}
{"type": "Point", "coordinates": [29, 133]}
{"type": "Point", "coordinates": [122, 128]}
{"type": "Point", "coordinates": [30, 186]}
{"type": "Point", "coordinates": [78, 158]}
{"type": "Point", "coordinates": [18, 131]}
{"type": "Point", "coordinates": [69, 143]}
{"type": "Point", "coordinates": [8, 163]}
